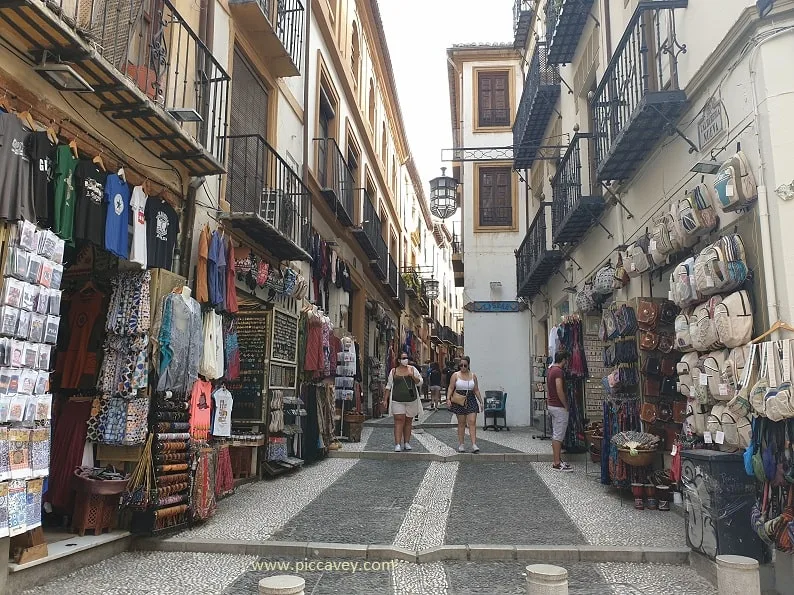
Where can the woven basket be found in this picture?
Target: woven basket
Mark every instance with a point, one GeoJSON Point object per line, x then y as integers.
{"type": "Point", "coordinates": [643, 458]}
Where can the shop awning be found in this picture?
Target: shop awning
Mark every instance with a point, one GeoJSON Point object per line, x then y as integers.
{"type": "Point", "coordinates": [259, 232]}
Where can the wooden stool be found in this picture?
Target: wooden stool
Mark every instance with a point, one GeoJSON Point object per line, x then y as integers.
{"type": "Point", "coordinates": [94, 512]}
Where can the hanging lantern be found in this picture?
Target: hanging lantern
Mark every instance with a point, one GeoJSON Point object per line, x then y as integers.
{"type": "Point", "coordinates": [431, 288]}
{"type": "Point", "coordinates": [443, 195]}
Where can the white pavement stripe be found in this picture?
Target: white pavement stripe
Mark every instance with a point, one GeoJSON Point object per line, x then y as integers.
{"type": "Point", "coordinates": [603, 517]}
{"type": "Point", "coordinates": [419, 579]}
{"type": "Point", "coordinates": [425, 523]}
{"type": "Point", "coordinates": [434, 445]}
{"type": "Point", "coordinates": [258, 510]}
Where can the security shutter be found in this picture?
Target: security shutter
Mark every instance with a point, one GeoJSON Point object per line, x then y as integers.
{"type": "Point", "coordinates": [248, 130]}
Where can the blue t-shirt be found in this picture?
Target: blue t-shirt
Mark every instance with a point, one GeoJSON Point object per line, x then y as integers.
{"type": "Point", "coordinates": [117, 197]}
{"type": "Point", "coordinates": [214, 257]}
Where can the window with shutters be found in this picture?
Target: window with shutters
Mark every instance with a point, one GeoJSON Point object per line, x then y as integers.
{"type": "Point", "coordinates": [495, 197]}
{"type": "Point", "coordinates": [493, 99]}
{"type": "Point", "coordinates": [247, 169]}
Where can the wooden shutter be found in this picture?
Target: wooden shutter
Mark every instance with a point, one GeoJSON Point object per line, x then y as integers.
{"type": "Point", "coordinates": [247, 153]}
{"type": "Point", "coordinates": [493, 99]}
{"type": "Point", "coordinates": [496, 197]}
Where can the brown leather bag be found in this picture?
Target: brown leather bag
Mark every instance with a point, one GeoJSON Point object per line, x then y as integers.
{"type": "Point", "coordinates": [679, 411]}
{"type": "Point", "coordinates": [458, 399]}
{"type": "Point", "coordinates": [648, 315]}
{"type": "Point", "coordinates": [666, 342]}
{"type": "Point", "coordinates": [651, 387]}
{"type": "Point", "coordinates": [649, 340]}
{"type": "Point", "coordinates": [668, 367]}
{"type": "Point", "coordinates": [648, 413]}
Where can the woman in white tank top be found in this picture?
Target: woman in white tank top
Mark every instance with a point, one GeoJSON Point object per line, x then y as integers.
{"type": "Point", "coordinates": [464, 382]}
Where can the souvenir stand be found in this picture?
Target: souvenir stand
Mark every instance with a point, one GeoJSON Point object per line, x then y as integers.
{"type": "Point", "coordinates": [569, 339]}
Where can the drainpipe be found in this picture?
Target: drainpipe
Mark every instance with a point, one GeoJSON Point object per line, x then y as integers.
{"type": "Point", "coordinates": [773, 310]}
{"type": "Point", "coordinates": [608, 30]}
{"type": "Point", "coordinates": [306, 95]}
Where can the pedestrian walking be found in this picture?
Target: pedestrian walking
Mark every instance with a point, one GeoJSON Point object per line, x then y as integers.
{"type": "Point", "coordinates": [434, 380]}
{"type": "Point", "coordinates": [558, 407]}
{"type": "Point", "coordinates": [465, 401]}
{"type": "Point", "coordinates": [402, 391]}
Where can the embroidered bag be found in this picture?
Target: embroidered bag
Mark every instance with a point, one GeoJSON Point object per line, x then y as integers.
{"type": "Point", "coordinates": [604, 282]}
{"type": "Point", "coordinates": [733, 319]}
{"type": "Point", "coordinates": [735, 185]}
{"type": "Point", "coordinates": [683, 336]}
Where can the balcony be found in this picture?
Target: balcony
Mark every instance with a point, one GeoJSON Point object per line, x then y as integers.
{"type": "Point", "coordinates": [435, 331]}
{"type": "Point", "coordinates": [149, 72]}
{"type": "Point", "coordinates": [367, 232]}
{"type": "Point", "coordinates": [577, 204]}
{"type": "Point", "coordinates": [391, 281]}
{"type": "Point", "coordinates": [380, 265]}
{"type": "Point", "coordinates": [638, 99]}
{"type": "Point", "coordinates": [275, 27]}
{"type": "Point", "coordinates": [457, 254]}
{"type": "Point", "coordinates": [335, 179]}
{"type": "Point", "coordinates": [565, 20]}
{"type": "Point", "coordinates": [541, 91]}
{"type": "Point", "coordinates": [269, 202]}
{"type": "Point", "coordinates": [401, 297]}
{"type": "Point", "coordinates": [522, 22]}
{"type": "Point", "coordinates": [413, 284]}
{"type": "Point", "coordinates": [536, 258]}
{"type": "Point", "coordinates": [424, 302]}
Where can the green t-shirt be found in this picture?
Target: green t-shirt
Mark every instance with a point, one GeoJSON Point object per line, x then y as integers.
{"type": "Point", "coordinates": [65, 164]}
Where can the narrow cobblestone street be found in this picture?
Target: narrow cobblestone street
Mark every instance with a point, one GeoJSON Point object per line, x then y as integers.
{"type": "Point", "coordinates": [413, 503]}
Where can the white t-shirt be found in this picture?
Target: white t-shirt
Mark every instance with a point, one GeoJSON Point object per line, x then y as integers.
{"type": "Point", "coordinates": [222, 422]}
{"type": "Point", "coordinates": [138, 208]}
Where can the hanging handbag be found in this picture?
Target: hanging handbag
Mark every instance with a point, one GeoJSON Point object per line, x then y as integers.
{"type": "Point", "coordinates": [651, 387]}
{"type": "Point", "coordinates": [647, 314]}
{"type": "Point", "coordinates": [621, 275]}
{"type": "Point", "coordinates": [679, 411]}
{"type": "Point", "coordinates": [648, 413]}
{"type": "Point", "coordinates": [604, 281]}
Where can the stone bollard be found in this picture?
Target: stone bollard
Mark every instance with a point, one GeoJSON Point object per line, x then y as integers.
{"type": "Point", "coordinates": [283, 584]}
{"type": "Point", "coordinates": [738, 575]}
{"type": "Point", "coordinates": [545, 579]}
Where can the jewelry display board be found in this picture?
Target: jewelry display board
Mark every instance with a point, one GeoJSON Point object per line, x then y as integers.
{"type": "Point", "coordinates": [594, 354]}
{"type": "Point", "coordinates": [249, 390]}
{"type": "Point", "coordinates": [285, 336]}
{"type": "Point", "coordinates": [281, 376]}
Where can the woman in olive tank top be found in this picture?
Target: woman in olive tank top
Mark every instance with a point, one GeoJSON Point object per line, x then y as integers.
{"type": "Point", "coordinates": [402, 390]}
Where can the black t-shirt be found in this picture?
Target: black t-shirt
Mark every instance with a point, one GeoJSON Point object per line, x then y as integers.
{"type": "Point", "coordinates": [435, 377]}
{"type": "Point", "coordinates": [90, 210]}
{"type": "Point", "coordinates": [41, 152]}
{"type": "Point", "coordinates": [162, 228]}
{"type": "Point", "coordinates": [16, 198]}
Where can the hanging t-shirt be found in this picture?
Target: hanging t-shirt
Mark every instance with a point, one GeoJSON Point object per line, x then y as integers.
{"type": "Point", "coordinates": [16, 200]}
{"type": "Point", "coordinates": [202, 291]}
{"type": "Point", "coordinates": [89, 217]}
{"type": "Point", "coordinates": [213, 258]}
{"type": "Point", "coordinates": [117, 196]}
{"type": "Point", "coordinates": [222, 420]}
{"type": "Point", "coordinates": [221, 262]}
{"type": "Point", "coordinates": [162, 228]}
{"type": "Point", "coordinates": [231, 290]}
{"type": "Point", "coordinates": [138, 211]}
{"type": "Point", "coordinates": [64, 194]}
{"type": "Point", "coordinates": [41, 152]}
{"type": "Point", "coordinates": [200, 400]}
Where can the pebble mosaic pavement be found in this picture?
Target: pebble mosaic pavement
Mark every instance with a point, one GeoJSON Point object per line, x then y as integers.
{"type": "Point", "coordinates": [413, 504]}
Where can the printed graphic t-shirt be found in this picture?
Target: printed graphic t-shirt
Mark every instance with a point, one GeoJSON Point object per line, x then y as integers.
{"type": "Point", "coordinates": [200, 402]}
{"type": "Point", "coordinates": [222, 420]}
{"type": "Point", "coordinates": [16, 201]}
{"type": "Point", "coordinates": [41, 152]}
{"type": "Point", "coordinates": [89, 217]}
{"type": "Point", "coordinates": [65, 164]}
{"type": "Point", "coordinates": [138, 208]}
{"type": "Point", "coordinates": [162, 228]}
{"type": "Point", "coordinates": [117, 197]}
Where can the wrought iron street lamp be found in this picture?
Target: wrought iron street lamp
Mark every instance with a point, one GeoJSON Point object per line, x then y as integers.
{"type": "Point", "coordinates": [431, 288]}
{"type": "Point", "coordinates": [443, 195]}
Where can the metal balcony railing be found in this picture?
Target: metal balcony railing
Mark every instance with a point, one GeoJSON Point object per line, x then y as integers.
{"type": "Point", "coordinates": [541, 90]}
{"type": "Point", "coordinates": [380, 265]}
{"type": "Point", "coordinates": [393, 276]}
{"type": "Point", "coordinates": [401, 297]}
{"type": "Point", "coordinates": [260, 181]}
{"type": "Point", "coordinates": [536, 258]}
{"type": "Point", "coordinates": [152, 45]}
{"type": "Point", "coordinates": [565, 21]}
{"type": "Point", "coordinates": [577, 203]}
{"type": "Point", "coordinates": [638, 98]}
{"type": "Point", "coordinates": [289, 28]}
{"type": "Point", "coordinates": [368, 229]}
{"type": "Point", "coordinates": [336, 179]}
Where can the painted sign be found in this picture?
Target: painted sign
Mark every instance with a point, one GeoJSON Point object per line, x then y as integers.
{"type": "Point", "coordinates": [710, 123]}
{"type": "Point", "coordinates": [495, 307]}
